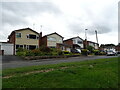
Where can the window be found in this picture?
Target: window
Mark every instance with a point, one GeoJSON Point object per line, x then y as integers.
{"type": "Point", "coordinates": [19, 46]}
{"type": "Point", "coordinates": [79, 42]}
{"type": "Point", "coordinates": [51, 38]}
{"type": "Point", "coordinates": [31, 47]}
{"type": "Point", "coordinates": [31, 36]}
{"type": "Point", "coordinates": [18, 35]}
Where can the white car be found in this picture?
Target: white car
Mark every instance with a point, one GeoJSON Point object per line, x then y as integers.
{"type": "Point", "coordinates": [111, 53]}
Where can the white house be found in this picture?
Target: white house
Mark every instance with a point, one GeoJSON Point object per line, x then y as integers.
{"type": "Point", "coordinates": [76, 43]}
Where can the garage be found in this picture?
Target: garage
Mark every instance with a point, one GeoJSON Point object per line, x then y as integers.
{"type": "Point", "coordinates": [6, 48]}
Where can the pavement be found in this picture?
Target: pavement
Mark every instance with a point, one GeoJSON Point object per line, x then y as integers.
{"type": "Point", "coordinates": [15, 61]}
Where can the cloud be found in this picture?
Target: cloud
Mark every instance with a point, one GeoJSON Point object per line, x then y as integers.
{"type": "Point", "coordinates": [16, 12]}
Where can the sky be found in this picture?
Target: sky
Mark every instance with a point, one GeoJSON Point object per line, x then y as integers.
{"type": "Point", "coordinates": [68, 18]}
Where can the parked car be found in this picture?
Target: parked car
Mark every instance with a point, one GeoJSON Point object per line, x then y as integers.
{"type": "Point", "coordinates": [75, 51]}
{"type": "Point", "coordinates": [111, 53]}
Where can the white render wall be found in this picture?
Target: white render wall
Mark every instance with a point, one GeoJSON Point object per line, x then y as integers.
{"type": "Point", "coordinates": [75, 41]}
{"type": "Point", "coordinates": [7, 47]}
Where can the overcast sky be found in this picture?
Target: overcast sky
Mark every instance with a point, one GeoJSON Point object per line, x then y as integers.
{"type": "Point", "coordinates": [68, 18]}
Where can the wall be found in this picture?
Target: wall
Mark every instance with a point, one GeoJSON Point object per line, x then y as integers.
{"type": "Point", "coordinates": [75, 41]}
{"type": "Point", "coordinates": [26, 41]}
{"type": "Point", "coordinates": [69, 42]}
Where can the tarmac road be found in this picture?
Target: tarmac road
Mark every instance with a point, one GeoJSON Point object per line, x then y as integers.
{"type": "Point", "coordinates": [14, 61]}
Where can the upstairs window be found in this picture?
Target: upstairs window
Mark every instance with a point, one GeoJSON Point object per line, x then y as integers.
{"type": "Point", "coordinates": [18, 35]}
{"type": "Point", "coordinates": [31, 36]}
{"type": "Point", "coordinates": [79, 42]}
{"type": "Point", "coordinates": [52, 39]}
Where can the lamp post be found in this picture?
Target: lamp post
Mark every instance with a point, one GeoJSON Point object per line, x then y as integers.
{"type": "Point", "coordinates": [96, 36]}
{"type": "Point", "coordinates": [86, 38]}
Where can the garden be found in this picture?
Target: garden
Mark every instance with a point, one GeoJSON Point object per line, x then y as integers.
{"type": "Point", "coordinates": [46, 52]}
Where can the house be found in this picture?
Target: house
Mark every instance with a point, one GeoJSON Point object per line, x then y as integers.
{"type": "Point", "coordinates": [117, 47]}
{"type": "Point", "coordinates": [107, 47]}
{"type": "Point", "coordinates": [90, 43]}
{"type": "Point", "coordinates": [6, 48]}
{"type": "Point", "coordinates": [53, 40]}
{"type": "Point", "coordinates": [25, 38]}
{"type": "Point", "coordinates": [76, 43]}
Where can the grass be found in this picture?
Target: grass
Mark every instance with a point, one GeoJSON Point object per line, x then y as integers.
{"type": "Point", "coordinates": [101, 73]}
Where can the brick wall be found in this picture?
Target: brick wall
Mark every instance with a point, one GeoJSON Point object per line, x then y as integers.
{"type": "Point", "coordinates": [69, 42]}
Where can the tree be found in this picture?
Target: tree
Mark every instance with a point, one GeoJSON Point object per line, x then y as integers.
{"type": "Point", "coordinates": [90, 48]}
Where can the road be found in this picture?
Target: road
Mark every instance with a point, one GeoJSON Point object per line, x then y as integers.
{"type": "Point", "coordinates": [14, 61]}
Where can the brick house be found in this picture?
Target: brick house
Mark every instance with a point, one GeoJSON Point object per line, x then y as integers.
{"type": "Point", "coordinates": [76, 43]}
{"type": "Point", "coordinates": [90, 43]}
{"type": "Point", "coordinates": [117, 47]}
{"type": "Point", "coordinates": [25, 38]}
{"type": "Point", "coordinates": [53, 40]}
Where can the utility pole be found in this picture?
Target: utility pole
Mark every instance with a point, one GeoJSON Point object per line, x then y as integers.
{"type": "Point", "coordinates": [96, 36]}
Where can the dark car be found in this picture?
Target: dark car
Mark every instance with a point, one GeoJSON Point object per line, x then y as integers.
{"type": "Point", "coordinates": [74, 51]}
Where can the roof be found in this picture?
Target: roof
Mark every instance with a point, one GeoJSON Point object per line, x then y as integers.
{"type": "Point", "coordinates": [52, 34]}
{"type": "Point", "coordinates": [107, 45]}
{"type": "Point", "coordinates": [73, 38]}
{"type": "Point", "coordinates": [63, 44]}
{"type": "Point", "coordinates": [21, 30]}
{"type": "Point", "coordinates": [6, 42]}
{"type": "Point", "coordinates": [92, 42]}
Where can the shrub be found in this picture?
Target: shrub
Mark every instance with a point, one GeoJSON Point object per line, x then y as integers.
{"type": "Point", "coordinates": [45, 49]}
{"type": "Point", "coordinates": [36, 52]}
{"type": "Point", "coordinates": [21, 53]}
{"type": "Point", "coordinates": [90, 48]}
{"type": "Point", "coordinates": [20, 50]}
{"type": "Point", "coordinates": [84, 52]}
{"type": "Point", "coordinates": [102, 53]}
{"type": "Point", "coordinates": [96, 52]}
{"type": "Point", "coordinates": [29, 53]}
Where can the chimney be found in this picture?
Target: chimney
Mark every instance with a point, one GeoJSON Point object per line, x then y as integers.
{"type": "Point", "coordinates": [40, 39]}
{"type": "Point", "coordinates": [40, 35]}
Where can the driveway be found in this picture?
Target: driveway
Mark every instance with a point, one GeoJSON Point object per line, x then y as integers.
{"type": "Point", "coordinates": [15, 61]}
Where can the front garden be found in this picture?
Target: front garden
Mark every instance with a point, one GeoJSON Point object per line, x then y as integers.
{"type": "Point", "coordinates": [46, 52]}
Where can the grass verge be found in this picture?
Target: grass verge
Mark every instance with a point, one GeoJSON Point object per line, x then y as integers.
{"type": "Point", "coordinates": [100, 73]}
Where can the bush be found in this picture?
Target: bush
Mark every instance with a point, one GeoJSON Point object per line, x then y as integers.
{"type": "Point", "coordinates": [96, 52]}
{"type": "Point", "coordinates": [45, 49]}
{"type": "Point", "coordinates": [84, 52]}
{"type": "Point", "coordinates": [102, 53]}
{"type": "Point", "coordinates": [91, 49]}
{"type": "Point", "coordinates": [66, 52]}
{"type": "Point", "coordinates": [36, 52]}
{"type": "Point", "coordinates": [21, 53]}
{"type": "Point", "coordinates": [20, 50]}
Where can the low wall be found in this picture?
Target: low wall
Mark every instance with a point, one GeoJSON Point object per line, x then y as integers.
{"type": "Point", "coordinates": [47, 57]}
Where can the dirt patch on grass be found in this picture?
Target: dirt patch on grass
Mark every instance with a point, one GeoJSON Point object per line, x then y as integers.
{"type": "Point", "coordinates": [34, 72]}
